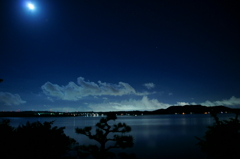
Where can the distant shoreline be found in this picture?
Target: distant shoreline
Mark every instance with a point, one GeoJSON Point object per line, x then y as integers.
{"type": "Point", "coordinates": [187, 109]}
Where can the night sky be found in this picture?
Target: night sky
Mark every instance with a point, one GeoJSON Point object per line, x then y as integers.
{"type": "Point", "coordinates": [96, 55]}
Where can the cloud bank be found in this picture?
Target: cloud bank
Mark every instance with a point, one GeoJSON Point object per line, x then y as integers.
{"type": "Point", "coordinates": [74, 92]}
{"type": "Point", "coordinates": [10, 99]}
{"type": "Point", "coordinates": [145, 103]}
{"type": "Point", "coordinates": [127, 105]}
{"type": "Point", "coordinates": [153, 104]}
{"type": "Point", "coordinates": [233, 101]}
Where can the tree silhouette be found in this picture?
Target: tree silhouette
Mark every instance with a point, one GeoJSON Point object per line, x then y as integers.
{"type": "Point", "coordinates": [6, 138]}
{"type": "Point", "coordinates": [103, 131]}
{"type": "Point", "coordinates": [34, 140]}
{"type": "Point", "coordinates": [1, 80]}
{"type": "Point", "coordinates": [222, 139]}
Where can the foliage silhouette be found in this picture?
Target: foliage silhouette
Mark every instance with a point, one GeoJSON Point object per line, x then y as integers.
{"type": "Point", "coordinates": [34, 140]}
{"type": "Point", "coordinates": [103, 131]}
{"type": "Point", "coordinates": [1, 80]}
{"type": "Point", "coordinates": [6, 138]}
{"type": "Point", "coordinates": [222, 139]}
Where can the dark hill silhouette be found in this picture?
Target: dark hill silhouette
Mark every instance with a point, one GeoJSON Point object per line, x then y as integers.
{"type": "Point", "coordinates": [195, 109]}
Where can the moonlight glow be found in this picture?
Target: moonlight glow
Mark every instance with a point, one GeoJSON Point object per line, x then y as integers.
{"type": "Point", "coordinates": [31, 6]}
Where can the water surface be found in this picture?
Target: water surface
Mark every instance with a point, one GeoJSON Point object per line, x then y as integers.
{"type": "Point", "coordinates": [155, 136]}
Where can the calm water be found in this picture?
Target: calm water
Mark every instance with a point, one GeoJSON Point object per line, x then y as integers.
{"type": "Point", "coordinates": [156, 136]}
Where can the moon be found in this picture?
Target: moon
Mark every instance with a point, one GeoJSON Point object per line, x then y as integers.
{"type": "Point", "coordinates": [30, 6]}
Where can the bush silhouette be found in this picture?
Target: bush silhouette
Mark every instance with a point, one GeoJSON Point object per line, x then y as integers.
{"type": "Point", "coordinates": [34, 140]}
{"type": "Point", "coordinates": [222, 140]}
{"type": "Point", "coordinates": [6, 138]}
{"type": "Point", "coordinates": [103, 130]}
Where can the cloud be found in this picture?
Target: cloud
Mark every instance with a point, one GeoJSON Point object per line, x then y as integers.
{"type": "Point", "coordinates": [149, 85]}
{"type": "Point", "coordinates": [11, 99]}
{"type": "Point", "coordinates": [153, 104]}
{"type": "Point", "coordinates": [145, 103]}
{"type": "Point", "coordinates": [127, 105]}
{"type": "Point", "coordinates": [182, 103]}
{"type": "Point", "coordinates": [84, 88]}
{"type": "Point", "coordinates": [233, 101]}
{"type": "Point", "coordinates": [49, 98]}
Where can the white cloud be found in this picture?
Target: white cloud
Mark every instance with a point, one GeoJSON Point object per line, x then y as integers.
{"type": "Point", "coordinates": [144, 104]}
{"type": "Point", "coordinates": [182, 103]}
{"type": "Point", "coordinates": [193, 103]}
{"type": "Point", "coordinates": [233, 101]}
{"type": "Point", "coordinates": [141, 104]}
{"type": "Point", "coordinates": [83, 88]}
{"type": "Point", "coordinates": [149, 85]}
{"type": "Point", "coordinates": [153, 104]}
{"type": "Point", "coordinates": [11, 99]}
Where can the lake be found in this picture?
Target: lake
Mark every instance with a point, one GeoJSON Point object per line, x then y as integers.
{"type": "Point", "coordinates": [155, 136]}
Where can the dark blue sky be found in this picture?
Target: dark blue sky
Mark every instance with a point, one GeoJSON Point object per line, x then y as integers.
{"type": "Point", "coordinates": [79, 55]}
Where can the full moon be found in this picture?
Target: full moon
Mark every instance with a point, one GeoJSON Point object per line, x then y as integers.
{"type": "Point", "coordinates": [31, 6]}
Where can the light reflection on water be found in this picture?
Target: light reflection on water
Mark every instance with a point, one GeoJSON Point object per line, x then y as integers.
{"type": "Point", "coordinates": [158, 136]}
